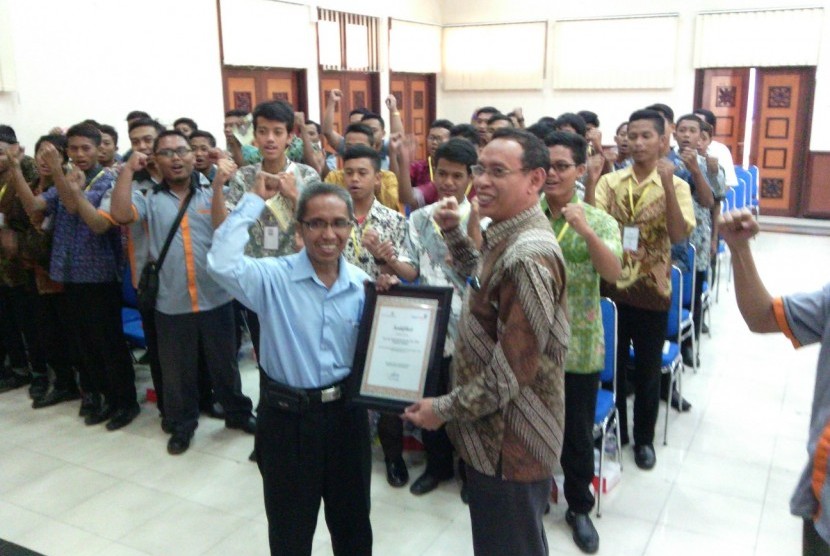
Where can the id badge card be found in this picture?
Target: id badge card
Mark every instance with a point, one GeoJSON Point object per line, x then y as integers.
{"type": "Point", "coordinates": [271, 238]}
{"type": "Point", "coordinates": [631, 238]}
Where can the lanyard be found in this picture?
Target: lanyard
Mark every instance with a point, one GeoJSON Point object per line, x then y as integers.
{"type": "Point", "coordinates": [465, 217]}
{"type": "Point", "coordinates": [561, 233]}
{"type": "Point", "coordinates": [429, 163]}
{"type": "Point", "coordinates": [96, 178]}
{"type": "Point", "coordinates": [3, 191]}
{"type": "Point", "coordinates": [357, 244]}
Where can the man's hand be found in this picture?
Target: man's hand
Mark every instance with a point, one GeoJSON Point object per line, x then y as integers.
{"type": "Point", "coordinates": [75, 180]}
{"type": "Point", "coordinates": [371, 241]}
{"type": "Point", "coordinates": [665, 168]}
{"type": "Point", "coordinates": [215, 155]}
{"type": "Point", "coordinates": [594, 137]}
{"type": "Point", "coordinates": [396, 141]}
{"type": "Point", "coordinates": [689, 158]}
{"type": "Point", "coordinates": [299, 123]}
{"type": "Point", "coordinates": [138, 161]}
{"type": "Point", "coordinates": [13, 154]}
{"type": "Point", "coordinates": [446, 214]}
{"type": "Point", "coordinates": [421, 414]}
{"type": "Point", "coordinates": [712, 164]}
{"type": "Point", "coordinates": [335, 96]}
{"type": "Point", "coordinates": [574, 215]}
{"type": "Point", "coordinates": [385, 282]}
{"type": "Point", "coordinates": [266, 185]}
{"type": "Point", "coordinates": [392, 103]}
{"type": "Point", "coordinates": [596, 162]}
{"type": "Point", "coordinates": [225, 169]}
{"type": "Point", "coordinates": [737, 227]}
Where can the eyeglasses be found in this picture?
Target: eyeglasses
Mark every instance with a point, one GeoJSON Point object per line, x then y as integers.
{"type": "Point", "coordinates": [318, 224]}
{"type": "Point", "coordinates": [561, 167]}
{"type": "Point", "coordinates": [168, 153]}
{"type": "Point", "coordinates": [494, 172]}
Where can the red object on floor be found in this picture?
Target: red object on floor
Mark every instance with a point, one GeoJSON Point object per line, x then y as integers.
{"type": "Point", "coordinates": [151, 395]}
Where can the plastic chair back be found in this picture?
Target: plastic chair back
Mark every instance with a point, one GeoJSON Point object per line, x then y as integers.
{"type": "Point", "coordinates": [129, 297]}
{"type": "Point", "coordinates": [689, 277]}
{"type": "Point", "coordinates": [673, 329]}
{"type": "Point", "coordinates": [609, 324]}
{"type": "Point", "coordinates": [745, 180]}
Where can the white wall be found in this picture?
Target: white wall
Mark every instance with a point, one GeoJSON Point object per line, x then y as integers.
{"type": "Point", "coordinates": [614, 106]}
{"type": "Point", "coordinates": [100, 59]}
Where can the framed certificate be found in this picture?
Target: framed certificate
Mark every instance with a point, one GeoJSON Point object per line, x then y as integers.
{"type": "Point", "coordinates": [400, 345]}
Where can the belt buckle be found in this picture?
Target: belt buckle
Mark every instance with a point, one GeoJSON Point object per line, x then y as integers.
{"type": "Point", "coordinates": [330, 394]}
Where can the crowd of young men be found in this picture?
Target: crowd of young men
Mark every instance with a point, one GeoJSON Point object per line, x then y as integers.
{"type": "Point", "coordinates": [527, 226]}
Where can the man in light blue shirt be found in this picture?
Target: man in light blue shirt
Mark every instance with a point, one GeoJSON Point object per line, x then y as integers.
{"type": "Point", "coordinates": [309, 443]}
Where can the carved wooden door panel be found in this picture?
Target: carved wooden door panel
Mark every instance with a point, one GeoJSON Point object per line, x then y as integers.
{"type": "Point", "coordinates": [415, 94]}
{"type": "Point", "coordinates": [240, 93]}
{"type": "Point", "coordinates": [247, 87]}
{"type": "Point", "coordinates": [725, 92]}
{"type": "Point", "coordinates": [358, 92]}
{"type": "Point", "coordinates": [782, 113]}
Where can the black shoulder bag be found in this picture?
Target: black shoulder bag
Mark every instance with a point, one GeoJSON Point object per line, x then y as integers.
{"type": "Point", "coordinates": [148, 283]}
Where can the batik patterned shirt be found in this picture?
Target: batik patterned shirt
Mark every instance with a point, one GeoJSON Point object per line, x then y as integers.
{"type": "Point", "coordinates": [389, 225]}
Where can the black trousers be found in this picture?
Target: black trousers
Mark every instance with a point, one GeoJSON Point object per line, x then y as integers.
{"type": "Point", "coordinates": [11, 331]}
{"type": "Point", "coordinates": [20, 306]}
{"type": "Point", "coordinates": [507, 516]}
{"type": "Point", "coordinates": [646, 330]}
{"type": "Point", "coordinates": [437, 444]}
{"type": "Point", "coordinates": [52, 321]}
{"type": "Point", "coordinates": [148, 323]}
{"type": "Point", "coordinates": [812, 544]}
{"type": "Point", "coordinates": [106, 365]}
{"type": "Point", "coordinates": [180, 339]}
{"type": "Point", "coordinates": [578, 448]}
{"type": "Point", "coordinates": [322, 453]}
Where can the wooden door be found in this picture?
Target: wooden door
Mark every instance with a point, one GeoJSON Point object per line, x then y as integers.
{"type": "Point", "coordinates": [783, 106]}
{"type": "Point", "coordinates": [415, 94]}
{"type": "Point", "coordinates": [360, 90]}
{"type": "Point", "coordinates": [725, 91]}
{"type": "Point", "coordinates": [247, 87]}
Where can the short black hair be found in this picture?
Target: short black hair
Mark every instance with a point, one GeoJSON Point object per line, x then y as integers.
{"type": "Point", "coordinates": [358, 127]}
{"type": "Point", "coordinates": [691, 117]}
{"type": "Point", "coordinates": [275, 111]}
{"type": "Point", "coordinates": [458, 150]}
{"type": "Point", "coordinates": [135, 114]}
{"type": "Point", "coordinates": [576, 143]}
{"type": "Point", "coordinates": [109, 130]}
{"type": "Point", "coordinates": [361, 111]}
{"type": "Point", "coordinates": [186, 121]}
{"type": "Point", "coordinates": [316, 188]}
{"type": "Point", "coordinates": [573, 120]}
{"type": "Point", "coordinates": [534, 153]}
{"type": "Point", "coordinates": [7, 135]}
{"type": "Point", "coordinates": [238, 112]}
{"type": "Point", "coordinates": [204, 135]}
{"type": "Point", "coordinates": [541, 129]}
{"type": "Point", "coordinates": [316, 126]}
{"type": "Point", "coordinates": [486, 110]}
{"type": "Point", "coordinates": [444, 124]}
{"type": "Point", "coordinates": [708, 116]}
{"type": "Point", "coordinates": [465, 131]}
{"type": "Point", "coordinates": [664, 110]}
{"type": "Point", "coordinates": [362, 151]}
{"type": "Point", "coordinates": [547, 120]}
{"type": "Point", "coordinates": [652, 115]}
{"type": "Point", "coordinates": [146, 122]}
{"type": "Point", "coordinates": [373, 116]}
{"type": "Point", "coordinates": [619, 127]}
{"type": "Point", "coordinates": [500, 118]}
{"type": "Point", "coordinates": [85, 130]}
{"type": "Point", "coordinates": [589, 117]}
{"type": "Point", "coordinates": [169, 133]}
{"type": "Point", "coordinates": [91, 122]}
{"type": "Point", "coordinates": [59, 141]}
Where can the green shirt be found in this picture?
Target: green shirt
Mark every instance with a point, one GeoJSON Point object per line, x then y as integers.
{"type": "Point", "coordinates": [586, 351]}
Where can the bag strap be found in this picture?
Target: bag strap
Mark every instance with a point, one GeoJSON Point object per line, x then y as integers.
{"type": "Point", "coordinates": [172, 233]}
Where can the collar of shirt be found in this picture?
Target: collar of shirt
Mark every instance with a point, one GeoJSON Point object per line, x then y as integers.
{"type": "Point", "coordinates": [628, 173]}
{"type": "Point", "coordinates": [196, 180]}
{"type": "Point", "coordinates": [211, 173]}
{"type": "Point", "coordinates": [93, 172]}
{"type": "Point", "coordinates": [546, 209]}
{"type": "Point", "coordinates": [304, 270]}
{"type": "Point", "coordinates": [499, 231]}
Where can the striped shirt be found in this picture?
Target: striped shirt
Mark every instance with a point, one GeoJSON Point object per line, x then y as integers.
{"type": "Point", "coordinates": [506, 411]}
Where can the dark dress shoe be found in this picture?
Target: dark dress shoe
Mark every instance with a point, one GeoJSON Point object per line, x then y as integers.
{"type": "Point", "coordinates": [214, 411]}
{"type": "Point", "coordinates": [397, 474]}
{"type": "Point", "coordinates": [179, 443]}
{"type": "Point", "coordinates": [103, 414]}
{"type": "Point", "coordinates": [246, 425]}
{"type": "Point", "coordinates": [13, 381]}
{"type": "Point", "coordinates": [90, 403]}
{"type": "Point", "coordinates": [39, 387]}
{"type": "Point", "coordinates": [644, 456]}
{"type": "Point", "coordinates": [123, 417]}
{"type": "Point", "coordinates": [426, 483]}
{"type": "Point", "coordinates": [54, 397]}
{"type": "Point", "coordinates": [680, 403]}
{"type": "Point", "coordinates": [166, 426]}
{"type": "Point", "coordinates": [584, 533]}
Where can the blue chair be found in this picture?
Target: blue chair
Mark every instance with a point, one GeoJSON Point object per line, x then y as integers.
{"type": "Point", "coordinates": [671, 361]}
{"type": "Point", "coordinates": [606, 417]}
{"type": "Point", "coordinates": [744, 181]}
{"type": "Point", "coordinates": [687, 324]}
{"type": "Point", "coordinates": [754, 191]}
{"type": "Point", "coordinates": [132, 327]}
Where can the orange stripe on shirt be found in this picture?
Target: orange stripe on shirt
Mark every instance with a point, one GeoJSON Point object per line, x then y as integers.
{"type": "Point", "coordinates": [820, 460]}
{"type": "Point", "coordinates": [108, 217]}
{"type": "Point", "coordinates": [190, 265]}
{"type": "Point", "coordinates": [781, 319]}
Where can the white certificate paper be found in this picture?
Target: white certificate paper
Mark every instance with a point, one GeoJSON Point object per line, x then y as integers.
{"type": "Point", "coordinates": [399, 348]}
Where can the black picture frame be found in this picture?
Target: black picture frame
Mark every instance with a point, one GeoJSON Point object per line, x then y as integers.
{"type": "Point", "coordinates": [370, 396]}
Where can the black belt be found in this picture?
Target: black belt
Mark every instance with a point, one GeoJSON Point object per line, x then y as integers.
{"type": "Point", "coordinates": [298, 400]}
